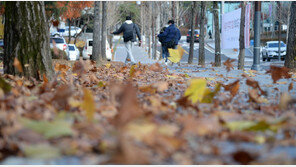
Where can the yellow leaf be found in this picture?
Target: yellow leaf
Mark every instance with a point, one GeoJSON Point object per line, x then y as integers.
{"type": "Point", "coordinates": [208, 95]}
{"type": "Point", "coordinates": [88, 104]}
{"type": "Point", "coordinates": [132, 70]}
{"type": "Point", "coordinates": [196, 90]}
{"type": "Point", "coordinates": [108, 65]}
{"type": "Point", "coordinates": [176, 54]}
{"type": "Point", "coordinates": [172, 76]}
{"type": "Point", "coordinates": [101, 84]}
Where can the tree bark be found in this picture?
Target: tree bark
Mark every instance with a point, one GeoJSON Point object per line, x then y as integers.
{"type": "Point", "coordinates": [241, 56]}
{"type": "Point", "coordinates": [217, 36]}
{"type": "Point", "coordinates": [96, 52]}
{"type": "Point", "coordinates": [290, 60]}
{"type": "Point", "coordinates": [280, 30]}
{"type": "Point", "coordinates": [201, 54]}
{"type": "Point", "coordinates": [26, 38]}
{"type": "Point", "coordinates": [173, 9]}
{"type": "Point", "coordinates": [104, 30]}
{"type": "Point", "coordinates": [193, 14]}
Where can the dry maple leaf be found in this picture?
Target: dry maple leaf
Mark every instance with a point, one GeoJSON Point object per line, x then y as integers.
{"type": "Point", "coordinates": [78, 68]}
{"type": "Point", "coordinates": [279, 73]}
{"type": "Point", "coordinates": [228, 64]}
{"type": "Point", "coordinates": [232, 87]}
{"type": "Point", "coordinates": [255, 97]}
{"type": "Point", "coordinates": [156, 67]}
{"type": "Point", "coordinates": [290, 86]}
{"type": "Point", "coordinates": [88, 104]}
{"type": "Point", "coordinates": [17, 64]}
{"type": "Point", "coordinates": [129, 107]}
{"type": "Point", "coordinates": [251, 82]}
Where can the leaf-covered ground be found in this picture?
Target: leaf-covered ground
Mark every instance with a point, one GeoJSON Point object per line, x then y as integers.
{"type": "Point", "coordinates": [144, 114]}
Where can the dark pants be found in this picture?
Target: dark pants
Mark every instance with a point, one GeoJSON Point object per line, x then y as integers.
{"type": "Point", "coordinates": [165, 52]}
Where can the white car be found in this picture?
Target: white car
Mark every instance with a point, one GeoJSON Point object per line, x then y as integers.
{"type": "Point", "coordinates": [74, 53]}
{"type": "Point", "coordinates": [87, 50]}
{"type": "Point", "coordinates": [65, 32]}
{"type": "Point", "coordinates": [270, 51]}
{"type": "Point", "coordinates": [60, 43]}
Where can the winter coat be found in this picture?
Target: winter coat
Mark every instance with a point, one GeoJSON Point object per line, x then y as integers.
{"type": "Point", "coordinates": [130, 30]}
{"type": "Point", "coordinates": [171, 33]}
{"type": "Point", "coordinates": [161, 39]}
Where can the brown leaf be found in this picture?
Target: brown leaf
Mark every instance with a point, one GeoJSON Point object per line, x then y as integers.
{"type": "Point", "coordinates": [243, 157]}
{"type": "Point", "coordinates": [290, 86]}
{"type": "Point", "coordinates": [279, 73]}
{"type": "Point", "coordinates": [232, 87]}
{"type": "Point", "coordinates": [60, 98]}
{"type": "Point", "coordinates": [147, 89]}
{"type": "Point", "coordinates": [255, 97]}
{"type": "Point", "coordinates": [161, 86]}
{"type": "Point", "coordinates": [254, 84]}
{"type": "Point", "coordinates": [17, 64]}
{"type": "Point", "coordinates": [156, 67]}
{"type": "Point", "coordinates": [79, 68]}
{"type": "Point", "coordinates": [129, 108]}
{"type": "Point", "coordinates": [228, 64]}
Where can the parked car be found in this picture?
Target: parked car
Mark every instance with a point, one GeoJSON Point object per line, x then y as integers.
{"type": "Point", "coordinates": [270, 50]}
{"type": "Point", "coordinates": [196, 35]}
{"type": "Point", "coordinates": [87, 50]}
{"type": "Point", "coordinates": [60, 43]}
{"type": "Point", "coordinates": [74, 53]}
{"type": "Point", "coordinates": [65, 32]}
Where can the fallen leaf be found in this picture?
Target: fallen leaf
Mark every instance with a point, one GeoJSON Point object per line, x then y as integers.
{"type": "Point", "coordinates": [41, 151]}
{"type": "Point", "coordinates": [255, 97]}
{"type": "Point", "coordinates": [233, 88]}
{"type": "Point", "coordinates": [88, 104]}
{"type": "Point", "coordinates": [196, 89]}
{"type": "Point", "coordinates": [17, 64]}
{"type": "Point", "coordinates": [4, 85]}
{"type": "Point", "coordinates": [228, 64]}
{"type": "Point", "coordinates": [54, 129]}
{"type": "Point", "coordinates": [290, 86]}
{"type": "Point", "coordinates": [278, 73]}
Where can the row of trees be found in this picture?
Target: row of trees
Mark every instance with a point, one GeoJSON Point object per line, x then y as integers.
{"type": "Point", "coordinates": [27, 36]}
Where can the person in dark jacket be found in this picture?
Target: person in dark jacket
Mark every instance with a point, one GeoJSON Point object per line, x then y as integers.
{"type": "Point", "coordinates": [130, 31]}
{"type": "Point", "coordinates": [171, 36]}
{"type": "Point", "coordinates": [165, 52]}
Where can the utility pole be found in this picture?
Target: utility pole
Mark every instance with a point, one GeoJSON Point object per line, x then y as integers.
{"type": "Point", "coordinates": [279, 30]}
{"type": "Point", "coordinates": [257, 20]}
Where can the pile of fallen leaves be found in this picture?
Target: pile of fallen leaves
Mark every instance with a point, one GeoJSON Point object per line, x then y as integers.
{"type": "Point", "coordinates": [142, 114]}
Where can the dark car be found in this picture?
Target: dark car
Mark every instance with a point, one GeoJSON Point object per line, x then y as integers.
{"type": "Point", "coordinates": [196, 36]}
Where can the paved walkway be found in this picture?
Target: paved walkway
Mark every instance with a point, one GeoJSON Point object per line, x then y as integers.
{"type": "Point", "coordinates": [139, 53]}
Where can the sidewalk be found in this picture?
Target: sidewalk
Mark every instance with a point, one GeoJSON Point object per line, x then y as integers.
{"type": "Point", "coordinates": [139, 54]}
{"type": "Point", "coordinates": [230, 52]}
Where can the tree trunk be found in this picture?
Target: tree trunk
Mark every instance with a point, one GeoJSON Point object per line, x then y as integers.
{"type": "Point", "coordinates": [290, 60]}
{"type": "Point", "coordinates": [241, 56]}
{"type": "Point", "coordinates": [26, 38]}
{"type": "Point", "coordinates": [217, 36]}
{"type": "Point", "coordinates": [96, 52]}
{"type": "Point", "coordinates": [193, 14]}
{"type": "Point", "coordinates": [104, 30]}
{"type": "Point", "coordinates": [173, 9]}
{"type": "Point", "coordinates": [201, 54]}
{"type": "Point", "coordinates": [280, 30]}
